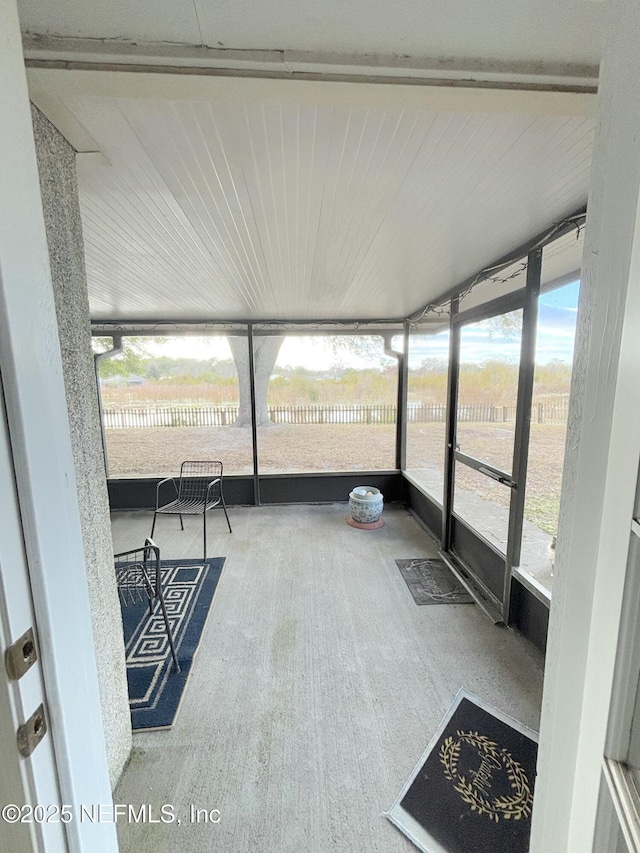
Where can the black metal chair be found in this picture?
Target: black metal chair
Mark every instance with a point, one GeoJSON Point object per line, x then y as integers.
{"type": "Point", "coordinates": [139, 576]}
{"type": "Point", "coordinates": [198, 490]}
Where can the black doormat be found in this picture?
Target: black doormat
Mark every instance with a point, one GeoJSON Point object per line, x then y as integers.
{"type": "Point", "coordinates": [432, 582]}
{"type": "Point", "coordinates": [472, 790]}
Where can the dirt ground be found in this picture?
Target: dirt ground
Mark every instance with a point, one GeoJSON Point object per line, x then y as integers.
{"type": "Point", "coordinates": [493, 443]}
{"type": "Point", "coordinates": [350, 447]}
{"type": "Point", "coordinates": [285, 448]}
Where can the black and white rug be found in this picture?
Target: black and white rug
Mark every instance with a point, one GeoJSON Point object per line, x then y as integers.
{"type": "Point", "coordinates": [472, 790]}
{"type": "Point", "coordinates": [155, 689]}
{"type": "Point", "coordinates": [430, 581]}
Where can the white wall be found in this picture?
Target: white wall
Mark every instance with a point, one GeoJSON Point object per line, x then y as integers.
{"type": "Point", "coordinates": [603, 447]}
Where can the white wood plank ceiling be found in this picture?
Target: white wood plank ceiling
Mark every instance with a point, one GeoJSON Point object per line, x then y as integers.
{"type": "Point", "coordinates": [252, 200]}
{"type": "Point", "coordinates": [561, 261]}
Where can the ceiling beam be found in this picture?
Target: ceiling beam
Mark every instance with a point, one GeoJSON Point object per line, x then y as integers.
{"type": "Point", "coordinates": [120, 54]}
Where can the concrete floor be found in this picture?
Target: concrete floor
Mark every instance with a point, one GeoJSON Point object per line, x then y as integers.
{"type": "Point", "coordinates": [317, 686]}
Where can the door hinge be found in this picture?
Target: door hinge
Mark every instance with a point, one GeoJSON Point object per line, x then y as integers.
{"type": "Point", "coordinates": [31, 733]}
{"type": "Point", "coordinates": [21, 656]}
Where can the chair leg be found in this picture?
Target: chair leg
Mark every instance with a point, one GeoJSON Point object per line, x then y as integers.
{"type": "Point", "coordinates": [181, 524]}
{"type": "Point", "coordinates": [204, 532]}
{"type": "Point", "coordinates": [169, 634]}
{"type": "Point", "coordinates": [153, 526]}
{"type": "Point", "coordinates": [224, 507]}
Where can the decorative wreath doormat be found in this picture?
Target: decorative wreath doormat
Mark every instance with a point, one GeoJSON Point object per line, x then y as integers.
{"type": "Point", "coordinates": [430, 581]}
{"type": "Point", "coordinates": [472, 790]}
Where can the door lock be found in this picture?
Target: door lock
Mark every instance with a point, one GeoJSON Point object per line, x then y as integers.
{"type": "Point", "coordinates": [21, 656]}
{"type": "Point", "coordinates": [31, 733]}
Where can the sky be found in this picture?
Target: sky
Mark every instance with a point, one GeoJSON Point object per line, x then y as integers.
{"type": "Point", "coordinates": [312, 351]}
{"type": "Point", "coordinates": [557, 313]}
{"type": "Point", "coordinates": [556, 332]}
{"type": "Point", "coordinates": [557, 324]}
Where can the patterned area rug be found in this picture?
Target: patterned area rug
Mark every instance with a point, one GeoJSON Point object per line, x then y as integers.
{"type": "Point", "coordinates": [155, 689]}
{"type": "Point", "coordinates": [432, 582]}
{"type": "Point", "coordinates": [473, 788]}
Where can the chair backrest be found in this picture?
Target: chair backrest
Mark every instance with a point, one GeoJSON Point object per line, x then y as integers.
{"type": "Point", "coordinates": [138, 573]}
{"type": "Point", "coordinates": [194, 479]}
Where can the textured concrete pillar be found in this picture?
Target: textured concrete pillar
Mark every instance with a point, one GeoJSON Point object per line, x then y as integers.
{"type": "Point", "coordinates": [56, 165]}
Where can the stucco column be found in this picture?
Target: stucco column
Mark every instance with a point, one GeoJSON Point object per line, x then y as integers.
{"type": "Point", "coordinates": [59, 190]}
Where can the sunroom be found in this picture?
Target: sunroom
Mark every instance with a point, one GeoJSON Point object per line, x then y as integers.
{"type": "Point", "coordinates": [329, 275]}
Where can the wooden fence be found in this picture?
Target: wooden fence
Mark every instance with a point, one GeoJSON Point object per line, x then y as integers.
{"type": "Point", "coordinates": [374, 414]}
{"type": "Point", "coordinates": [545, 410]}
{"type": "Point", "coordinates": [175, 416]}
{"type": "Point", "coordinates": [550, 410]}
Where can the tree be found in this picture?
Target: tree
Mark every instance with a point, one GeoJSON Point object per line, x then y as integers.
{"type": "Point", "coordinates": [133, 360]}
{"type": "Point", "coordinates": [136, 359]}
{"type": "Point", "coordinates": [265, 353]}
{"type": "Point", "coordinates": [506, 325]}
{"type": "Point", "coordinates": [127, 363]}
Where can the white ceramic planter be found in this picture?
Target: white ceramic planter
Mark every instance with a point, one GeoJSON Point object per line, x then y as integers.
{"type": "Point", "coordinates": [365, 504]}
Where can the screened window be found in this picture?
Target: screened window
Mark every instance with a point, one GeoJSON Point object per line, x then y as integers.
{"type": "Point", "coordinates": [428, 362]}
{"type": "Point", "coordinates": [174, 398]}
{"type": "Point", "coordinates": [325, 403]}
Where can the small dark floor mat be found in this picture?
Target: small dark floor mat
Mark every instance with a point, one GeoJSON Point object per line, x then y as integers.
{"type": "Point", "coordinates": [430, 581]}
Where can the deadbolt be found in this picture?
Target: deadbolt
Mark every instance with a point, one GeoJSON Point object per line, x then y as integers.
{"type": "Point", "coordinates": [31, 733]}
{"type": "Point", "coordinates": [21, 656]}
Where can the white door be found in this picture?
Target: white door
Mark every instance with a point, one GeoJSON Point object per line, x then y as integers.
{"type": "Point", "coordinates": [31, 817]}
{"type": "Point", "coordinates": [35, 407]}
{"type": "Point", "coordinates": [618, 819]}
